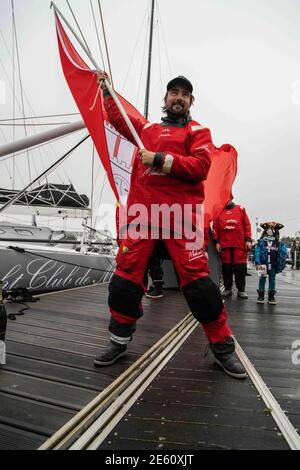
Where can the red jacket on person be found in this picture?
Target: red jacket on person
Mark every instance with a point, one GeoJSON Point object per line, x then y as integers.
{"type": "Point", "coordinates": [186, 156]}
{"type": "Point", "coordinates": [232, 228]}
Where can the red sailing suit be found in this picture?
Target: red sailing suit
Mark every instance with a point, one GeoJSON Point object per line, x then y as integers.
{"type": "Point", "coordinates": [232, 229]}
{"type": "Point", "coordinates": [187, 158]}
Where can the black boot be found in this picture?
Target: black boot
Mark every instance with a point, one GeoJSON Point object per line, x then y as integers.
{"type": "Point", "coordinates": [271, 297]}
{"type": "Point", "coordinates": [226, 293]}
{"type": "Point", "coordinates": [261, 296]}
{"type": "Point", "coordinates": [155, 291]}
{"type": "Point", "coordinates": [111, 354]}
{"type": "Point", "coordinates": [226, 358]}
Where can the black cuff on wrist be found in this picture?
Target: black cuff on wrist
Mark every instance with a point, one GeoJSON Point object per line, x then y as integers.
{"type": "Point", "coordinates": [158, 158]}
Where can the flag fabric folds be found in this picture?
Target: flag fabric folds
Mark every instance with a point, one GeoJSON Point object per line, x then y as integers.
{"type": "Point", "coordinates": [115, 152]}
{"type": "Point", "coordinates": [218, 186]}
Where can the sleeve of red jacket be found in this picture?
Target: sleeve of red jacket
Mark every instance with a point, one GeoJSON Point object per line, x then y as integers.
{"type": "Point", "coordinates": [117, 120]}
{"type": "Point", "coordinates": [247, 227]}
{"type": "Point", "coordinates": [195, 166]}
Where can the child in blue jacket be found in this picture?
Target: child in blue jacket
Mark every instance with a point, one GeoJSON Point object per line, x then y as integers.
{"type": "Point", "coordinates": [271, 253]}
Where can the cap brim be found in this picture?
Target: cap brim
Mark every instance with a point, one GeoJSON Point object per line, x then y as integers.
{"type": "Point", "coordinates": [180, 81]}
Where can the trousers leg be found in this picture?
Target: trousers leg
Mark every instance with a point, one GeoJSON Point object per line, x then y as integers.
{"type": "Point", "coordinates": [272, 278]}
{"type": "Point", "coordinates": [240, 268]}
{"type": "Point", "coordinates": [201, 293]}
{"type": "Point", "coordinates": [227, 267]}
{"type": "Point", "coordinates": [127, 288]}
{"type": "Point", "coordinates": [227, 273]}
{"type": "Point", "coordinates": [262, 283]}
{"type": "Point", "coordinates": [240, 271]}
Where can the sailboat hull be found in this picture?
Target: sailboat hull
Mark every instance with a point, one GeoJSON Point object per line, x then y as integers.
{"type": "Point", "coordinates": [37, 269]}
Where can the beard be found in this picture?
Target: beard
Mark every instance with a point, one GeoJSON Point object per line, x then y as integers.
{"type": "Point", "coordinates": [178, 108]}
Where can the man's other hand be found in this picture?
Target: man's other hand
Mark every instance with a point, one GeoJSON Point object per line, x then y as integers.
{"type": "Point", "coordinates": [101, 76]}
{"type": "Point", "coordinates": [248, 246]}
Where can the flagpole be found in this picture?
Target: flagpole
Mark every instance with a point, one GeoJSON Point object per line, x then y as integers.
{"type": "Point", "coordinates": [107, 84]}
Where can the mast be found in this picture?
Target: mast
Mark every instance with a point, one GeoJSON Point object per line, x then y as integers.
{"type": "Point", "coordinates": [149, 63]}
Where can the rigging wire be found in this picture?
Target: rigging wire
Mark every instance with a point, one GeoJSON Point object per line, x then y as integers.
{"type": "Point", "coordinates": [78, 26]}
{"type": "Point", "coordinates": [134, 49]}
{"type": "Point", "coordinates": [101, 193]}
{"type": "Point", "coordinates": [45, 173]}
{"type": "Point", "coordinates": [159, 62]}
{"type": "Point", "coordinates": [144, 58]}
{"type": "Point", "coordinates": [31, 109]}
{"type": "Point", "coordinates": [96, 28]}
{"type": "Point", "coordinates": [5, 164]}
{"type": "Point", "coordinates": [32, 124]}
{"type": "Point", "coordinates": [105, 42]}
{"type": "Point", "coordinates": [39, 117]}
{"type": "Point", "coordinates": [164, 39]}
{"type": "Point", "coordinates": [20, 78]}
{"type": "Point", "coordinates": [92, 186]}
{"type": "Point", "coordinates": [95, 197]}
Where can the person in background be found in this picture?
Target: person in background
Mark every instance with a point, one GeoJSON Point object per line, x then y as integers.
{"type": "Point", "coordinates": [270, 254]}
{"type": "Point", "coordinates": [155, 271]}
{"type": "Point", "coordinates": [232, 236]}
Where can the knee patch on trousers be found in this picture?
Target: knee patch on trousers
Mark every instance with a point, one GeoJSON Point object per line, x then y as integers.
{"type": "Point", "coordinates": [125, 296]}
{"type": "Point", "coordinates": [204, 299]}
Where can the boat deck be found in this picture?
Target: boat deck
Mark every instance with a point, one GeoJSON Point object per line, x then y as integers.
{"type": "Point", "coordinates": [191, 404]}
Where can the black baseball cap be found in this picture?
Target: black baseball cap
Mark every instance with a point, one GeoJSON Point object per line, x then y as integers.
{"type": "Point", "coordinates": [180, 80]}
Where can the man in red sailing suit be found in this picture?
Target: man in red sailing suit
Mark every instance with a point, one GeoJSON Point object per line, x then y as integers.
{"type": "Point", "coordinates": [170, 170]}
{"type": "Point", "coordinates": [232, 234]}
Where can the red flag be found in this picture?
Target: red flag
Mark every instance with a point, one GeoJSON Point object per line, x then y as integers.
{"type": "Point", "coordinates": [82, 82]}
{"type": "Point", "coordinates": [218, 186]}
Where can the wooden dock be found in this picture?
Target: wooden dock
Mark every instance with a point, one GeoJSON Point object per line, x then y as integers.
{"type": "Point", "coordinates": [191, 404]}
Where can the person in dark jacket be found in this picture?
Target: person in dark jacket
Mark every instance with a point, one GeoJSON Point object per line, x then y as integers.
{"type": "Point", "coordinates": [270, 259]}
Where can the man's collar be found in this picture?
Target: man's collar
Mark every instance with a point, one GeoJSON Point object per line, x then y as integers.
{"type": "Point", "coordinates": [176, 119]}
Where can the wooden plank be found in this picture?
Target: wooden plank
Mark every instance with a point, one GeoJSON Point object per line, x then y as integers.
{"type": "Point", "coordinates": [31, 415]}
{"type": "Point", "coordinates": [45, 391]}
{"type": "Point", "coordinates": [12, 438]}
{"type": "Point", "coordinates": [192, 433]}
{"type": "Point", "coordinates": [50, 351]}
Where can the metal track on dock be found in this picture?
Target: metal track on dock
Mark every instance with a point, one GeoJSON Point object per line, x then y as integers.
{"type": "Point", "coordinates": [88, 429]}
{"type": "Point", "coordinates": [94, 422]}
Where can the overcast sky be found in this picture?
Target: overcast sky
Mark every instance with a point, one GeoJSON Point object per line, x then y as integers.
{"type": "Point", "coordinates": [242, 56]}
